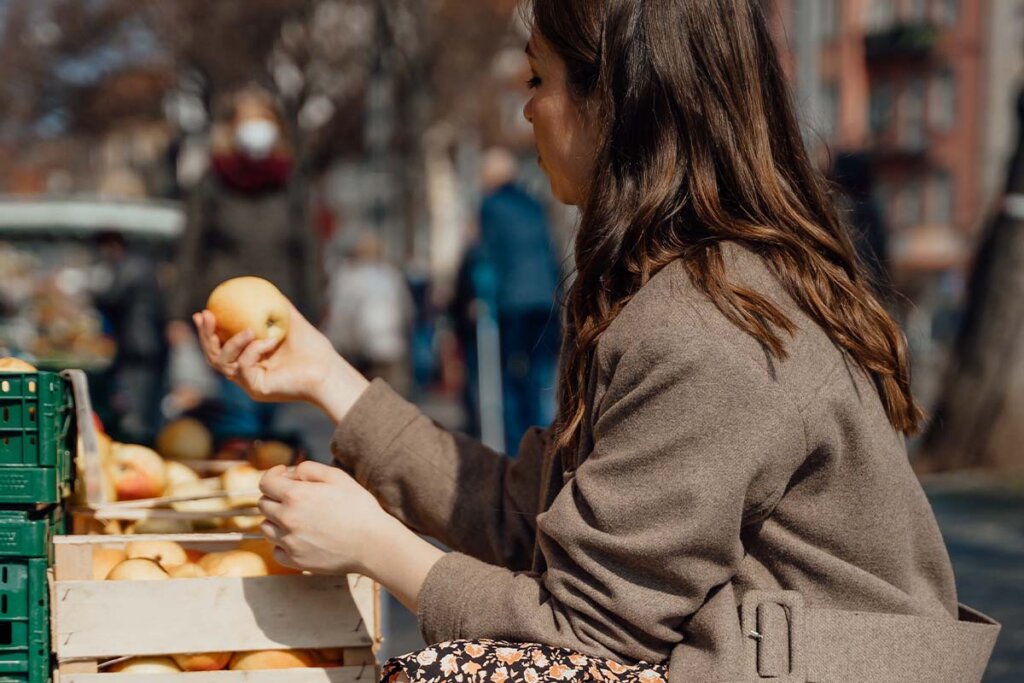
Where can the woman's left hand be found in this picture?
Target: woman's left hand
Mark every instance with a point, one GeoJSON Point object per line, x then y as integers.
{"type": "Point", "coordinates": [321, 520]}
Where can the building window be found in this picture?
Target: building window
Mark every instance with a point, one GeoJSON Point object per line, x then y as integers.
{"type": "Point", "coordinates": [880, 114]}
{"type": "Point", "coordinates": [942, 101]}
{"type": "Point", "coordinates": [944, 12]}
{"type": "Point", "coordinates": [941, 202]}
{"type": "Point", "coordinates": [881, 14]}
{"type": "Point", "coordinates": [829, 111]}
{"type": "Point", "coordinates": [911, 115]}
{"type": "Point", "coordinates": [908, 204]}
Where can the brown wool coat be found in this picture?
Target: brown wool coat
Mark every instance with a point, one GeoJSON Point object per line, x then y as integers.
{"type": "Point", "coordinates": [707, 470]}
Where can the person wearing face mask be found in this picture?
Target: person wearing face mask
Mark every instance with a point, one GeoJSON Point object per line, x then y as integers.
{"type": "Point", "coordinates": [246, 217]}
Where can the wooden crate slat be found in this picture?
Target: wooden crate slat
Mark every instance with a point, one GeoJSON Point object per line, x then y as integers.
{"type": "Point", "coordinates": [349, 674]}
{"type": "Point", "coordinates": [97, 619]}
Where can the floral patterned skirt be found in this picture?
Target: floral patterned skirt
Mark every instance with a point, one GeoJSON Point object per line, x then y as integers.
{"type": "Point", "coordinates": [488, 661]}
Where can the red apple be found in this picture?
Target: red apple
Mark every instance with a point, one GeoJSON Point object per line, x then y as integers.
{"type": "Point", "coordinates": [137, 471]}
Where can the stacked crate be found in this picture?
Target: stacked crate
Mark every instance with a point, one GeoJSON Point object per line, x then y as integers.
{"type": "Point", "coordinates": [36, 470]}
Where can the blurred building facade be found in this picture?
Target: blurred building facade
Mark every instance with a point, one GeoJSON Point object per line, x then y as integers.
{"type": "Point", "coordinates": [926, 86]}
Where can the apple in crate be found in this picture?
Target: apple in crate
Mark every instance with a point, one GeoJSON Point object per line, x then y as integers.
{"type": "Point", "coordinates": [206, 661]}
{"type": "Point", "coordinates": [167, 554]}
{"type": "Point", "coordinates": [137, 471]}
{"type": "Point", "coordinates": [137, 569]}
{"type": "Point", "coordinates": [249, 303]}
{"type": "Point", "coordinates": [236, 563]}
{"type": "Point", "coordinates": [16, 365]}
{"type": "Point", "coordinates": [185, 439]}
{"type": "Point", "coordinates": [105, 559]}
{"type": "Point", "coordinates": [146, 665]}
{"type": "Point", "coordinates": [271, 659]}
{"type": "Point", "coordinates": [242, 482]}
{"type": "Point", "coordinates": [189, 570]}
{"type": "Point", "coordinates": [178, 474]}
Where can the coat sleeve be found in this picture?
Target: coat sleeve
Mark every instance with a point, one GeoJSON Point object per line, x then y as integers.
{"type": "Point", "coordinates": [688, 441]}
{"type": "Point", "coordinates": [443, 484]}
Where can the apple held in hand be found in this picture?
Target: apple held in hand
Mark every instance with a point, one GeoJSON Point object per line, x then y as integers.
{"type": "Point", "coordinates": [249, 303]}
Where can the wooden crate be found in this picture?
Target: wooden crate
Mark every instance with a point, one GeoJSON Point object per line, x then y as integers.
{"type": "Point", "coordinates": [95, 621]}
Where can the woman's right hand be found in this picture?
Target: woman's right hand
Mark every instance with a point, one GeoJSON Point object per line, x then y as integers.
{"type": "Point", "coordinates": [302, 367]}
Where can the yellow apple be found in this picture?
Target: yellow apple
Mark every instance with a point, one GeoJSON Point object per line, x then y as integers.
{"type": "Point", "coordinates": [167, 553]}
{"type": "Point", "coordinates": [137, 471]}
{"type": "Point", "coordinates": [265, 549]}
{"type": "Point", "coordinates": [189, 570]}
{"type": "Point", "coordinates": [185, 439]}
{"type": "Point", "coordinates": [105, 559]}
{"type": "Point", "coordinates": [145, 665]}
{"type": "Point", "coordinates": [206, 661]}
{"type": "Point", "coordinates": [138, 569]}
{"type": "Point", "coordinates": [267, 454]}
{"type": "Point", "coordinates": [249, 303]}
{"type": "Point", "coordinates": [242, 523]}
{"type": "Point", "coordinates": [178, 473]}
{"type": "Point", "coordinates": [242, 482]}
{"type": "Point", "coordinates": [270, 659]}
{"type": "Point", "coordinates": [236, 563]}
{"type": "Point", "coordinates": [16, 365]}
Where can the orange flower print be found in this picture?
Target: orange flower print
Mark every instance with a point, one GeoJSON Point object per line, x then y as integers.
{"type": "Point", "coordinates": [474, 650]}
{"type": "Point", "coordinates": [530, 675]}
{"type": "Point", "coordinates": [595, 673]}
{"type": "Point", "coordinates": [427, 657]}
{"type": "Point", "coordinates": [539, 659]}
{"type": "Point", "coordinates": [449, 665]}
{"type": "Point", "coordinates": [650, 676]}
{"type": "Point", "coordinates": [508, 655]}
{"type": "Point", "coordinates": [561, 672]}
{"type": "Point", "coordinates": [471, 668]}
{"type": "Point", "coordinates": [616, 667]}
{"type": "Point", "coordinates": [500, 675]}
{"type": "Point", "coordinates": [398, 677]}
{"type": "Point", "coordinates": [578, 660]}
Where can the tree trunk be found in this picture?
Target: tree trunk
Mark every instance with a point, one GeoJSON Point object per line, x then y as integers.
{"type": "Point", "coordinates": [979, 420]}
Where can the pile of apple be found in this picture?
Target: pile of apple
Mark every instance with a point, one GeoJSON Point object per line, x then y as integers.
{"type": "Point", "coordinates": [163, 560]}
{"type": "Point", "coordinates": [134, 472]}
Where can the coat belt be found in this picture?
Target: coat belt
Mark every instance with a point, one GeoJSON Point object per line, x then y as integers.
{"type": "Point", "coordinates": [787, 642]}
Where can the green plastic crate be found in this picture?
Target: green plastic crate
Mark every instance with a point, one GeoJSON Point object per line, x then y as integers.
{"type": "Point", "coordinates": [24, 620]}
{"type": "Point", "coordinates": [36, 438]}
{"type": "Point", "coordinates": [29, 533]}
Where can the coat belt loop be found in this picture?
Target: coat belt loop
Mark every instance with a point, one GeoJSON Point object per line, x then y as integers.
{"type": "Point", "coordinates": [773, 628]}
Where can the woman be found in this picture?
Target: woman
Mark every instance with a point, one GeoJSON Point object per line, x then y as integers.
{"type": "Point", "coordinates": [725, 494]}
{"type": "Point", "coordinates": [246, 217]}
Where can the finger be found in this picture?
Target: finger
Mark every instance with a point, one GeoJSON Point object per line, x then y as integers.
{"type": "Point", "coordinates": [272, 532]}
{"type": "Point", "coordinates": [276, 482]}
{"type": "Point", "coordinates": [310, 470]}
{"type": "Point", "coordinates": [272, 510]}
{"type": "Point", "coordinates": [256, 352]}
{"type": "Point", "coordinates": [233, 347]}
{"type": "Point", "coordinates": [281, 557]}
{"type": "Point", "coordinates": [209, 343]}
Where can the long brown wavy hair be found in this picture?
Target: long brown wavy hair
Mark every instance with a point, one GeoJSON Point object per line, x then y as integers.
{"type": "Point", "coordinates": [699, 144]}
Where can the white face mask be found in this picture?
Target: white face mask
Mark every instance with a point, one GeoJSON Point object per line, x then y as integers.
{"type": "Point", "coordinates": [256, 138]}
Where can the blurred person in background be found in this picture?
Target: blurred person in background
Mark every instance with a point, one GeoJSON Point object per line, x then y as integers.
{"type": "Point", "coordinates": [853, 178]}
{"type": "Point", "coordinates": [128, 295]}
{"type": "Point", "coordinates": [515, 246]}
{"type": "Point", "coordinates": [246, 217]}
{"type": "Point", "coordinates": [370, 313]}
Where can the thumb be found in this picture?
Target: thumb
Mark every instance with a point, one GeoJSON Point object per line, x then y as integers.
{"type": "Point", "coordinates": [309, 470]}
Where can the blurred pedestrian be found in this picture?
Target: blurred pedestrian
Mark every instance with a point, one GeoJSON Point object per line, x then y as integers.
{"type": "Point", "coordinates": [370, 314]}
{"type": "Point", "coordinates": [128, 295]}
{"type": "Point", "coordinates": [852, 175]}
{"type": "Point", "coordinates": [515, 246]}
{"type": "Point", "coordinates": [247, 217]}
